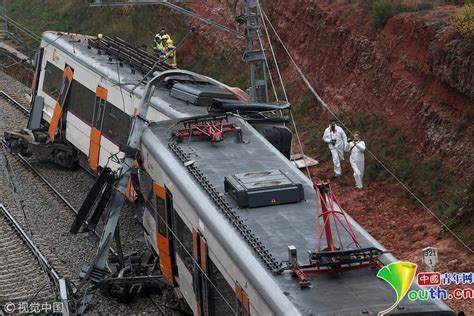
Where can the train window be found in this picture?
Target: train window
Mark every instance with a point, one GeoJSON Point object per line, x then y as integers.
{"type": "Point", "coordinates": [116, 124]}
{"type": "Point", "coordinates": [53, 78]}
{"type": "Point", "coordinates": [146, 183]}
{"type": "Point", "coordinates": [220, 302]}
{"type": "Point", "coordinates": [184, 245]}
{"type": "Point", "coordinates": [81, 101]}
{"type": "Point", "coordinates": [161, 209]}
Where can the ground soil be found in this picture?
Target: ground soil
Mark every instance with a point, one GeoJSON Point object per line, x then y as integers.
{"type": "Point", "coordinates": [401, 226]}
{"type": "Point", "coordinates": [415, 72]}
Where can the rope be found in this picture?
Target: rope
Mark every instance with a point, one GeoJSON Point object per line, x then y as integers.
{"type": "Point", "coordinates": [313, 91]}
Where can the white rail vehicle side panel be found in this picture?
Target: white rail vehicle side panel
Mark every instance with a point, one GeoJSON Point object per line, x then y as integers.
{"type": "Point", "coordinates": [57, 58]}
{"type": "Point", "coordinates": [216, 252]}
{"type": "Point", "coordinates": [77, 131]}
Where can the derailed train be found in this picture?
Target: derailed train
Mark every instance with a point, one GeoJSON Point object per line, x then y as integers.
{"type": "Point", "coordinates": [224, 209]}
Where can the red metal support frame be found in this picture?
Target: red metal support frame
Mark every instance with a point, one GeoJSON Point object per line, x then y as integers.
{"type": "Point", "coordinates": [304, 282]}
{"type": "Point", "coordinates": [326, 197]}
{"type": "Point", "coordinates": [213, 130]}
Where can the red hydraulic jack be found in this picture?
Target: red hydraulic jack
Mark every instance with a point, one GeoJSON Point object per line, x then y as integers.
{"type": "Point", "coordinates": [334, 257]}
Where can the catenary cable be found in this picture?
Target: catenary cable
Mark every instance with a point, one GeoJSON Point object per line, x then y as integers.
{"type": "Point", "coordinates": [284, 90]}
{"type": "Point", "coordinates": [321, 101]}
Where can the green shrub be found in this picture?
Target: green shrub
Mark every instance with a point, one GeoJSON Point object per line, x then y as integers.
{"type": "Point", "coordinates": [464, 21]}
{"type": "Point", "coordinates": [381, 11]}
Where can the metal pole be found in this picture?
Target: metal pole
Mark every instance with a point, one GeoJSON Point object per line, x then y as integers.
{"type": "Point", "coordinates": [322, 187]}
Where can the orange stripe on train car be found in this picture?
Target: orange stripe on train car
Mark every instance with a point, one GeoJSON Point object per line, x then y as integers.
{"type": "Point", "coordinates": [238, 291]}
{"type": "Point", "coordinates": [101, 92]}
{"type": "Point", "coordinates": [53, 125]}
{"type": "Point", "coordinates": [159, 190]}
{"type": "Point", "coordinates": [245, 302]}
{"type": "Point", "coordinates": [195, 244]}
{"type": "Point", "coordinates": [68, 73]}
{"type": "Point", "coordinates": [94, 148]}
{"type": "Point", "coordinates": [165, 259]}
{"type": "Point", "coordinates": [203, 254]}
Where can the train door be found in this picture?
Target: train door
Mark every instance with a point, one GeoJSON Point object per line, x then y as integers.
{"type": "Point", "coordinates": [96, 128]}
{"type": "Point", "coordinates": [60, 106]}
{"type": "Point", "coordinates": [201, 274]}
{"type": "Point", "coordinates": [164, 238]}
{"type": "Point", "coordinates": [38, 62]}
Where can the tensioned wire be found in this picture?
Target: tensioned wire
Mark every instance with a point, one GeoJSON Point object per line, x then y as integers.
{"type": "Point", "coordinates": [320, 100]}
{"type": "Point", "coordinates": [170, 229]}
{"type": "Point", "coordinates": [284, 90]}
{"type": "Point", "coordinates": [164, 221]}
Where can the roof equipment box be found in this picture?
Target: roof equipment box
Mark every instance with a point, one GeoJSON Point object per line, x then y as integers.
{"type": "Point", "coordinates": [263, 188]}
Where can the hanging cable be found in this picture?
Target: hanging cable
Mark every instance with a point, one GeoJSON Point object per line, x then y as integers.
{"type": "Point", "coordinates": [196, 263]}
{"type": "Point", "coordinates": [22, 28]}
{"type": "Point", "coordinates": [272, 50]}
{"type": "Point", "coordinates": [284, 91]}
{"type": "Point", "coordinates": [268, 67]}
{"type": "Point", "coordinates": [321, 101]}
{"type": "Point", "coordinates": [110, 13]}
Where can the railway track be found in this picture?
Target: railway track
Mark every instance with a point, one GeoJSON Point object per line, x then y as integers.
{"type": "Point", "coordinates": [44, 198]}
{"type": "Point", "coordinates": [26, 276]}
{"type": "Point", "coordinates": [25, 111]}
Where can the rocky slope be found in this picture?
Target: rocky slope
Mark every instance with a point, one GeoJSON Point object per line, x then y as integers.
{"type": "Point", "coordinates": [416, 72]}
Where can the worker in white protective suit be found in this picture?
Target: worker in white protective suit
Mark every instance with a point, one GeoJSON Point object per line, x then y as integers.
{"type": "Point", "coordinates": [357, 159]}
{"type": "Point", "coordinates": [336, 139]}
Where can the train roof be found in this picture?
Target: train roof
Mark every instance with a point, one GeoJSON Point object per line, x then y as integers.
{"type": "Point", "coordinates": [276, 226]}
{"type": "Point", "coordinates": [181, 96]}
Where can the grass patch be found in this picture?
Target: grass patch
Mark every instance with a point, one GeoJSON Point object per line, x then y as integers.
{"type": "Point", "coordinates": [381, 11]}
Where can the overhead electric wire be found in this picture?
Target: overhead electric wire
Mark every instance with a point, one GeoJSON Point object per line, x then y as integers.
{"type": "Point", "coordinates": [168, 227]}
{"type": "Point", "coordinates": [22, 28]}
{"type": "Point", "coordinates": [321, 101]}
{"type": "Point", "coordinates": [110, 13]}
{"type": "Point", "coordinates": [196, 264]}
{"type": "Point", "coordinates": [273, 51]}
{"type": "Point", "coordinates": [284, 90]}
{"type": "Point", "coordinates": [268, 68]}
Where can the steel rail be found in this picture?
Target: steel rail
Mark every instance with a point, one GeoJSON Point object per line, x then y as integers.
{"type": "Point", "coordinates": [59, 282]}
{"type": "Point", "coordinates": [12, 101]}
{"type": "Point", "coordinates": [8, 98]}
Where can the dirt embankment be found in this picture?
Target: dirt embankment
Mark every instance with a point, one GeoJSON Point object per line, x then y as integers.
{"type": "Point", "coordinates": [415, 72]}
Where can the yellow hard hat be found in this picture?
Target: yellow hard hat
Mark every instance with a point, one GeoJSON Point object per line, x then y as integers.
{"type": "Point", "coordinates": [100, 36]}
{"type": "Point", "coordinates": [169, 42]}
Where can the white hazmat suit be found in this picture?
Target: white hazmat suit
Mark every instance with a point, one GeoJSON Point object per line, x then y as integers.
{"type": "Point", "coordinates": [357, 160]}
{"type": "Point", "coordinates": [336, 141]}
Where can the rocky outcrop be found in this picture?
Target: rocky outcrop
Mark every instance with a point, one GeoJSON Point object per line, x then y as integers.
{"type": "Point", "coordinates": [416, 72]}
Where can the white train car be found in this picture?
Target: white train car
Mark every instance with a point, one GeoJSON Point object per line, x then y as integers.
{"type": "Point", "coordinates": [219, 216]}
{"type": "Point", "coordinates": [87, 96]}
